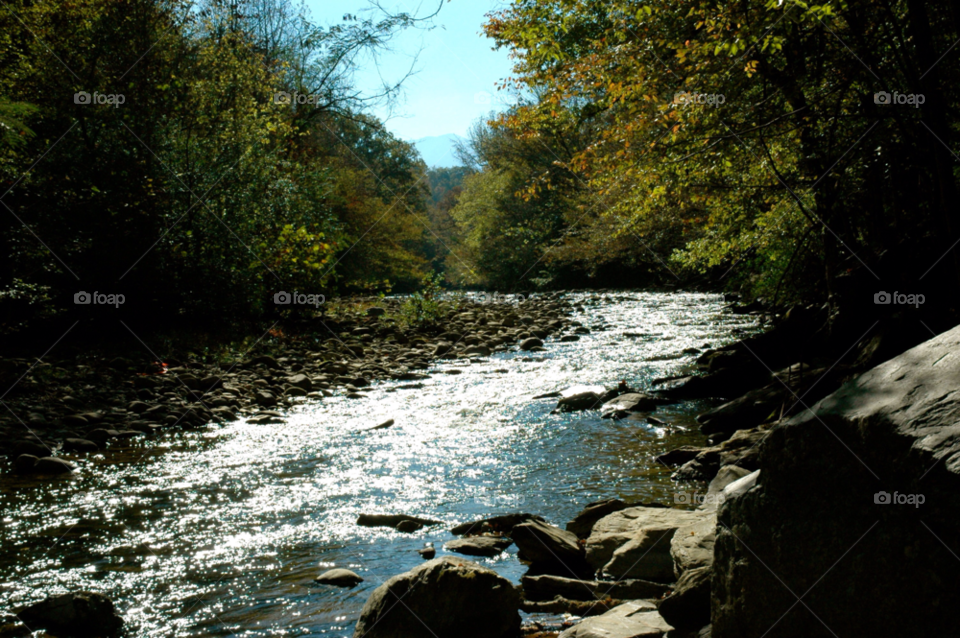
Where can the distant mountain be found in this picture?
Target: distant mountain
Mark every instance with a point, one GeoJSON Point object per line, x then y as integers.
{"type": "Point", "coordinates": [437, 151]}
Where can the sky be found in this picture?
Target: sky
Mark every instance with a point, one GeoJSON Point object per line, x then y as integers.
{"type": "Point", "coordinates": [457, 70]}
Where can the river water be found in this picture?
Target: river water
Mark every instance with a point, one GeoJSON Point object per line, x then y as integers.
{"type": "Point", "coordinates": [220, 531]}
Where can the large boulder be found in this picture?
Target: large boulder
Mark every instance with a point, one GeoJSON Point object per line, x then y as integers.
{"type": "Point", "coordinates": [447, 596]}
{"type": "Point", "coordinates": [541, 543]}
{"type": "Point", "coordinates": [855, 508]}
{"type": "Point", "coordinates": [82, 614]}
{"type": "Point", "coordinates": [637, 619]}
{"type": "Point", "coordinates": [615, 530]}
{"type": "Point", "coordinates": [646, 555]}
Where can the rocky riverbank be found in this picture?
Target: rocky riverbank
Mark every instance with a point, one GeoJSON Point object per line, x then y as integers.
{"type": "Point", "coordinates": [635, 568]}
{"type": "Point", "coordinates": [810, 455]}
{"type": "Point", "coordinates": [60, 410]}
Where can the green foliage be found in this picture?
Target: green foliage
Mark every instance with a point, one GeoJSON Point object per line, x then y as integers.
{"type": "Point", "coordinates": [427, 305]}
{"type": "Point", "coordinates": [197, 191]}
{"type": "Point", "coordinates": [797, 174]}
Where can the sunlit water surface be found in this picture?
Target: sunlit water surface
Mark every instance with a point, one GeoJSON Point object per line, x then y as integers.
{"type": "Point", "coordinates": [220, 531]}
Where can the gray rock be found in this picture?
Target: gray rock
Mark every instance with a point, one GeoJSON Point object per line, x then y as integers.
{"type": "Point", "coordinates": [264, 398]}
{"type": "Point", "coordinates": [617, 529]}
{"type": "Point", "coordinates": [825, 502]}
{"type": "Point", "coordinates": [626, 403]}
{"type": "Point", "coordinates": [548, 587]}
{"type": "Point", "coordinates": [637, 619]}
{"type": "Point", "coordinates": [727, 475]}
{"type": "Point", "coordinates": [531, 343]}
{"type": "Point", "coordinates": [301, 381]}
{"type": "Point", "coordinates": [444, 597]}
{"type": "Point", "coordinates": [541, 543]}
{"type": "Point", "coordinates": [583, 524]}
{"type": "Point", "coordinates": [479, 545]}
{"type": "Point", "coordinates": [645, 556]}
{"type": "Point", "coordinates": [339, 578]}
{"type": "Point", "coordinates": [504, 523]}
{"type": "Point", "coordinates": [82, 614]}
{"type": "Point", "coordinates": [692, 545]}
{"type": "Point", "coordinates": [581, 398]}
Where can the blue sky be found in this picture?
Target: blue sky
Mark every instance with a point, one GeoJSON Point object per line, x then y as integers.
{"type": "Point", "coordinates": [457, 70]}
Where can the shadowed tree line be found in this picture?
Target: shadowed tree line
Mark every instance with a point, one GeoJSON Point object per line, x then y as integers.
{"type": "Point", "coordinates": [198, 159]}
{"type": "Point", "coordinates": [784, 149]}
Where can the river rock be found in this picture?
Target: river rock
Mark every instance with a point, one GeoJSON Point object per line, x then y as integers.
{"type": "Point", "coordinates": [301, 381]}
{"type": "Point", "coordinates": [339, 578]}
{"type": "Point", "coordinates": [53, 465]}
{"type": "Point", "coordinates": [636, 619]}
{"type": "Point", "coordinates": [645, 556]}
{"type": "Point", "coordinates": [582, 525]}
{"type": "Point", "coordinates": [82, 614]}
{"type": "Point", "coordinates": [832, 496]}
{"type": "Point", "coordinates": [479, 545]}
{"type": "Point", "coordinates": [444, 597]}
{"type": "Point", "coordinates": [529, 344]}
{"type": "Point", "coordinates": [581, 398]}
{"type": "Point", "coordinates": [477, 351]}
{"type": "Point", "coordinates": [547, 587]}
{"type": "Point", "coordinates": [615, 530]}
{"type": "Point", "coordinates": [504, 524]}
{"type": "Point", "coordinates": [395, 521]}
{"type": "Point", "coordinates": [692, 545]}
{"type": "Point", "coordinates": [624, 404]}
{"type": "Point", "coordinates": [541, 543]}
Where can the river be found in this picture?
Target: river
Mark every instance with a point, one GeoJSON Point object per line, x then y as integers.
{"type": "Point", "coordinates": [220, 531]}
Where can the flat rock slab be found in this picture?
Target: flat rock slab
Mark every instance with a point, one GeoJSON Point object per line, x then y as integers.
{"type": "Point", "coordinates": [400, 522]}
{"type": "Point", "coordinates": [339, 578]}
{"type": "Point", "coordinates": [479, 545]}
{"type": "Point", "coordinates": [615, 530]}
{"type": "Point", "coordinates": [504, 523]}
{"type": "Point", "coordinates": [542, 543]}
{"type": "Point", "coordinates": [540, 588]}
{"type": "Point", "coordinates": [629, 402]}
{"type": "Point", "coordinates": [637, 619]}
